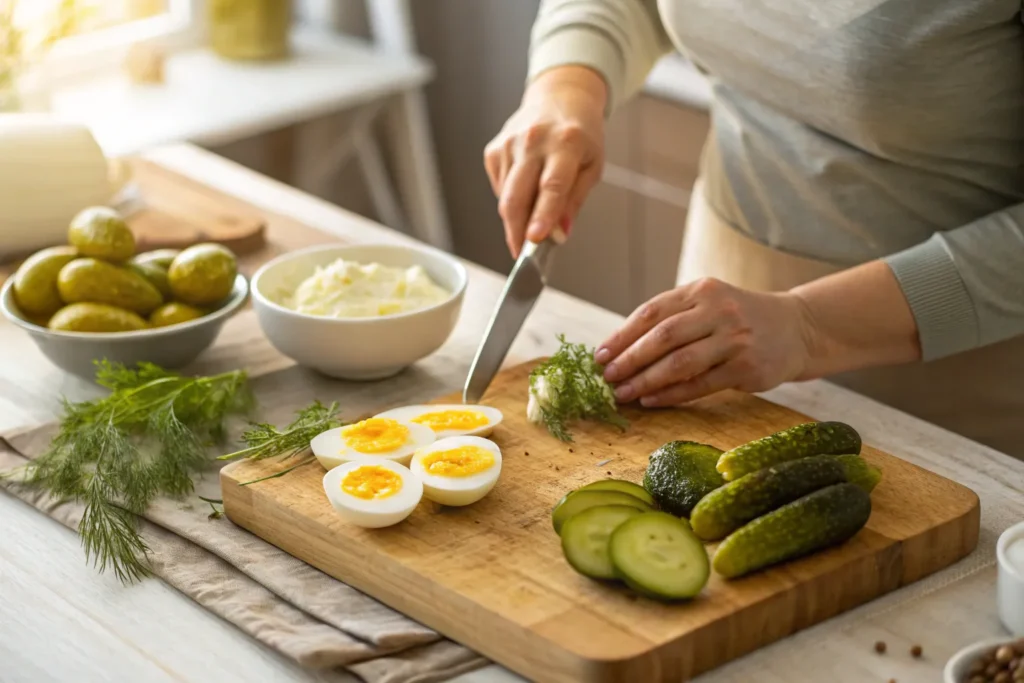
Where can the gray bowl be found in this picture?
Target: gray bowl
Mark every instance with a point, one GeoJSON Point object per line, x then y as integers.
{"type": "Point", "coordinates": [169, 347]}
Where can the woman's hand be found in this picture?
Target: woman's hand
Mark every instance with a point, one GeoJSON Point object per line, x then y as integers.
{"type": "Point", "coordinates": [708, 335]}
{"type": "Point", "coordinates": [549, 154]}
{"type": "Point", "coordinates": [704, 337]}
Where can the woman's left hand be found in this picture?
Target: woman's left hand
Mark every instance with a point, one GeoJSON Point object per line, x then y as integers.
{"type": "Point", "coordinates": [704, 337]}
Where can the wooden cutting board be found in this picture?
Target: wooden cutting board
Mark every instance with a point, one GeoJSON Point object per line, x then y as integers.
{"type": "Point", "coordinates": [492, 575]}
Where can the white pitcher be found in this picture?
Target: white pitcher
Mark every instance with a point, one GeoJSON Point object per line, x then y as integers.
{"type": "Point", "coordinates": [49, 171]}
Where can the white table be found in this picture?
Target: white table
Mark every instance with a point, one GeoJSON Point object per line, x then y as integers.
{"type": "Point", "coordinates": [60, 621]}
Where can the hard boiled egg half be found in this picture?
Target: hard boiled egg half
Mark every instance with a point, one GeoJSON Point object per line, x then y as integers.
{"type": "Point", "coordinates": [377, 438]}
{"type": "Point", "coordinates": [449, 420]}
{"type": "Point", "coordinates": [373, 494]}
{"type": "Point", "coordinates": [458, 470]}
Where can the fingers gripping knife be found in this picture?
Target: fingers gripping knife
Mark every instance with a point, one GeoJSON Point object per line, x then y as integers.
{"type": "Point", "coordinates": [523, 287]}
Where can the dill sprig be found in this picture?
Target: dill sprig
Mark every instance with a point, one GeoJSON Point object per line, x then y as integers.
{"type": "Point", "coordinates": [573, 388]}
{"type": "Point", "coordinates": [264, 440]}
{"type": "Point", "coordinates": [117, 453]}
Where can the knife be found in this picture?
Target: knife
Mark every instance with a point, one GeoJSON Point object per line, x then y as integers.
{"type": "Point", "coordinates": [524, 285]}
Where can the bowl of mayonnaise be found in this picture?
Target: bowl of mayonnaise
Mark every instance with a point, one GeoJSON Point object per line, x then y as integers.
{"type": "Point", "coordinates": [359, 312]}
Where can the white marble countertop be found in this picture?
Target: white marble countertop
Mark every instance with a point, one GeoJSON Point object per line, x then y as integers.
{"type": "Point", "coordinates": [60, 621]}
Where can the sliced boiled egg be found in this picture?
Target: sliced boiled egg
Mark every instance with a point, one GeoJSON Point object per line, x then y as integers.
{"type": "Point", "coordinates": [450, 420]}
{"type": "Point", "coordinates": [373, 494]}
{"type": "Point", "coordinates": [458, 470]}
{"type": "Point", "coordinates": [377, 438]}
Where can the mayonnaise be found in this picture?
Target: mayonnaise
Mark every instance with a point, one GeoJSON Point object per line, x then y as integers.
{"type": "Point", "coordinates": [347, 289]}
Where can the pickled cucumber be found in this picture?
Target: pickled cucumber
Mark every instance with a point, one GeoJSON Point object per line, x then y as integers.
{"type": "Point", "coordinates": [35, 282]}
{"type": "Point", "coordinates": [801, 441]}
{"type": "Point", "coordinates": [203, 274]}
{"type": "Point", "coordinates": [629, 487]}
{"type": "Point", "coordinates": [728, 508]}
{"type": "Point", "coordinates": [819, 520]}
{"type": "Point", "coordinates": [174, 313]}
{"type": "Point", "coordinates": [100, 232]}
{"type": "Point", "coordinates": [680, 473]}
{"type": "Point", "coordinates": [156, 276]}
{"type": "Point", "coordinates": [94, 281]}
{"type": "Point", "coordinates": [659, 556]}
{"type": "Point", "coordinates": [576, 502]}
{"type": "Point", "coordinates": [860, 472]}
{"type": "Point", "coordinates": [90, 317]}
{"type": "Point", "coordinates": [158, 257]}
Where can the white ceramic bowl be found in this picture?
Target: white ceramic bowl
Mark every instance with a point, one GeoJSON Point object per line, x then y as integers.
{"type": "Point", "coordinates": [357, 348]}
{"type": "Point", "coordinates": [960, 663]}
{"type": "Point", "coordinates": [170, 347]}
{"type": "Point", "coordinates": [1010, 589]}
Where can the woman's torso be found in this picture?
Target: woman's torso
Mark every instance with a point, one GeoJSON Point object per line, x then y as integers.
{"type": "Point", "coordinates": [876, 122]}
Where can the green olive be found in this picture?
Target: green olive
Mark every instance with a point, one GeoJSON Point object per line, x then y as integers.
{"type": "Point", "coordinates": [35, 282]}
{"type": "Point", "coordinates": [89, 317]}
{"type": "Point", "coordinates": [94, 281]}
{"type": "Point", "coordinates": [156, 276]}
{"type": "Point", "coordinates": [100, 232]}
{"type": "Point", "coordinates": [158, 257]}
{"type": "Point", "coordinates": [203, 274]}
{"type": "Point", "coordinates": [174, 313]}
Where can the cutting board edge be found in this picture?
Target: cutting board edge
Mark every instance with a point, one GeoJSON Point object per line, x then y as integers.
{"type": "Point", "coordinates": [670, 660]}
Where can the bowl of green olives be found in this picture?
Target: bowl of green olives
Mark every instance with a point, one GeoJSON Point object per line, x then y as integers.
{"type": "Point", "coordinates": [96, 298]}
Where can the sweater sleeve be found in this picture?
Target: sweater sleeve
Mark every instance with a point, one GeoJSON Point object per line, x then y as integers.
{"type": "Point", "coordinates": [966, 286]}
{"type": "Point", "coordinates": [620, 39]}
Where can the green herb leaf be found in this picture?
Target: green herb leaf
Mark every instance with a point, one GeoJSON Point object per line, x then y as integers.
{"type": "Point", "coordinates": [116, 454]}
{"type": "Point", "coordinates": [574, 388]}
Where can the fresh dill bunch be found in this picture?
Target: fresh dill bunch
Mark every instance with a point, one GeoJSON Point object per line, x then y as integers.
{"type": "Point", "coordinates": [117, 453]}
{"type": "Point", "coordinates": [570, 386]}
{"type": "Point", "coordinates": [264, 440]}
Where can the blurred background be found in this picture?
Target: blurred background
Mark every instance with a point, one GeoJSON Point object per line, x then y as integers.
{"type": "Point", "coordinates": [382, 107]}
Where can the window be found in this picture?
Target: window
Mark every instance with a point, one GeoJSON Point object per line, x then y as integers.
{"type": "Point", "coordinates": [89, 37]}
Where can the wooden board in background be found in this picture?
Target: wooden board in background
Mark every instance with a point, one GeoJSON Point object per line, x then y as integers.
{"type": "Point", "coordinates": [492, 575]}
{"type": "Point", "coordinates": [175, 212]}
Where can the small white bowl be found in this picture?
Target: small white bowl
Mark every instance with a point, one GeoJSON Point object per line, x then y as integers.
{"type": "Point", "coordinates": [1010, 588]}
{"type": "Point", "coordinates": [960, 663]}
{"type": "Point", "coordinates": [357, 348]}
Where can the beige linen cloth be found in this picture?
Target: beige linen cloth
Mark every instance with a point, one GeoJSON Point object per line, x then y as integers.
{"type": "Point", "coordinates": [281, 601]}
{"type": "Point", "coordinates": [979, 393]}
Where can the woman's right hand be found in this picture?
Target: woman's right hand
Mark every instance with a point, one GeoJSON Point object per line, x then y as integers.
{"type": "Point", "coordinates": [549, 154]}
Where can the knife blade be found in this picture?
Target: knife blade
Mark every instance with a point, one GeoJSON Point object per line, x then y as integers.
{"type": "Point", "coordinates": [522, 288]}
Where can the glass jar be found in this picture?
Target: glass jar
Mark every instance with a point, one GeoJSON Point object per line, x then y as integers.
{"type": "Point", "coordinates": [249, 29]}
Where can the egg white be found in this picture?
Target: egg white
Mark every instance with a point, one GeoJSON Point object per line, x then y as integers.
{"type": "Point", "coordinates": [407, 413]}
{"type": "Point", "coordinates": [373, 513]}
{"type": "Point", "coordinates": [331, 450]}
{"type": "Point", "coordinates": [457, 491]}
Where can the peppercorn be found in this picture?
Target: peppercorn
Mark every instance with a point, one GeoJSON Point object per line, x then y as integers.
{"type": "Point", "coordinates": [991, 670]}
{"type": "Point", "coordinates": [977, 679]}
{"type": "Point", "coordinates": [1003, 677]}
{"type": "Point", "coordinates": [880, 647]}
{"type": "Point", "coordinates": [916, 651]}
{"type": "Point", "coordinates": [1014, 664]}
{"type": "Point", "coordinates": [1018, 675]}
{"type": "Point", "coordinates": [978, 667]}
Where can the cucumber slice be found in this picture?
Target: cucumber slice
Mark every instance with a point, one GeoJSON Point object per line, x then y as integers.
{"type": "Point", "coordinates": [635, 490]}
{"type": "Point", "coordinates": [576, 502]}
{"type": "Point", "coordinates": [659, 556]}
{"type": "Point", "coordinates": [585, 539]}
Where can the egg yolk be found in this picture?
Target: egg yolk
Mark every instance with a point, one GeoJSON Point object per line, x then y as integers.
{"type": "Point", "coordinates": [375, 435]}
{"type": "Point", "coordinates": [452, 419]}
{"type": "Point", "coordinates": [371, 482]}
{"type": "Point", "coordinates": [458, 462]}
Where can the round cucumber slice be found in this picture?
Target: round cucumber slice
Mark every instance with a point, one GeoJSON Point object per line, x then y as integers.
{"type": "Point", "coordinates": [585, 539]}
{"type": "Point", "coordinates": [576, 502]}
{"type": "Point", "coordinates": [656, 554]}
{"type": "Point", "coordinates": [635, 490]}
